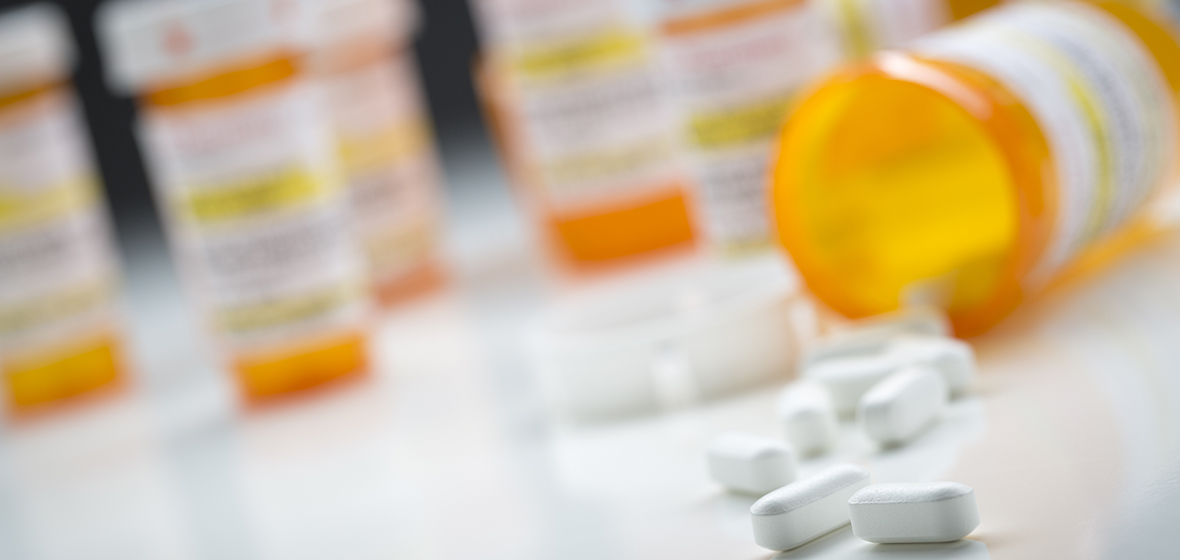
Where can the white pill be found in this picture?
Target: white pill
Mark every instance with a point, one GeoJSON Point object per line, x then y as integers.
{"type": "Point", "coordinates": [952, 357]}
{"type": "Point", "coordinates": [902, 405]}
{"type": "Point", "coordinates": [808, 417]}
{"type": "Point", "coordinates": [848, 379]}
{"type": "Point", "coordinates": [873, 335]}
{"type": "Point", "coordinates": [803, 511]}
{"type": "Point", "coordinates": [751, 464]}
{"type": "Point", "coordinates": [922, 512]}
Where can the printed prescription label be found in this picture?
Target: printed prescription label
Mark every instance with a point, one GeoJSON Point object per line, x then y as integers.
{"type": "Point", "coordinates": [520, 23]}
{"type": "Point", "coordinates": [870, 25]}
{"type": "Point", "coordinates": [58, 270]}
{"type": "Point", "coordinates": [257, 213]}
{"type": "Point", "coordinates": [1098, 97]}
{"type": "Point", "coordinates": [587, 112]}
{"type": "Point", "coordinates": [733, 73]}
{"type": "Point", "coordinates": [386, 150]}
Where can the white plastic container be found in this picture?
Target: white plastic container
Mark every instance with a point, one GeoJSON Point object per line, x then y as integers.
{"type": "Point", "coordinates": [669, 342]}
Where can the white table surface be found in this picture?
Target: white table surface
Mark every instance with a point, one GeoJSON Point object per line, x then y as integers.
{"type": "Point", "coordinates": [1071, 437]}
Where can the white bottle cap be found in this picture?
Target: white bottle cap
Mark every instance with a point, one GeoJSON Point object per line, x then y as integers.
{"type": "Point", "coordinates": [669, 343]}
{"type": "Point", "coordinates": [334, 21]}
{"type": "Point", "coordinates": [153, 41]}
{"type": "Point", "coordinates": [35, 46]}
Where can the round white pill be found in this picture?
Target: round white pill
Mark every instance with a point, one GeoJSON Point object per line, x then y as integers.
{"type": "Point", "coordinates": [953, 358]}
{"type": "Point", "coordinates": [806, 510]}
{"type": "Point", "coordinates": [750, 464]}
{"type": "Point", "coordinates": [847, 379]}
{"type": "Point", "coordinates": [922, 512]}
{"type": "Point", "coordinates": [902, 405]}
{"type": "Point", "coordinates": [808, 417]}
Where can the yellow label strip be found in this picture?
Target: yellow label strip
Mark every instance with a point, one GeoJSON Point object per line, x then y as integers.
{"type": "Point", "coordinates": [22, 209]}
{"type": "Point", "coordinates": [288, 310]}
{"type": "Point", "coordinates": [755, 122]}
{"type": "Point", "coordinates": [396, 143]}
{"type": "Point", "coordinates": [613, 48]}
{"type": "Point", "coordinates": [284, 189]}
{"type": "Point", "coordinates": [73, 300]}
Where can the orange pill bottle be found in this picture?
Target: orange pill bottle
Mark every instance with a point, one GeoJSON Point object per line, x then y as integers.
{"type": "Point", "coordinates": [982, 162]}
{"type": "Point", "coordinates": [732, 69]}
{"type": "Point", "coordinates": [361, 54]}
{"type": "Point", "coordinates": [572, 93]}
{"type": "Point", "coordinates": [246, 178]}
{"type": "Point", "coordinates": [60, 332]}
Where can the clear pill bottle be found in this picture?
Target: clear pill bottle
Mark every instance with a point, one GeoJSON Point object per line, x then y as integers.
{"type": "Point", "coordinates": [870, 25]}
{"type": "Point", "coordinates": [245, 175]}
{"type": "Point", "coordinates": [60, 331]}
{"type": "Point", "coordinates": [974, 167]}
{"type": "Point", "coordinates": [361, 54]}
{"type": "Point", "coordinates": [732, 69]}
{"type": "Point", "coordinates": [571, 89]}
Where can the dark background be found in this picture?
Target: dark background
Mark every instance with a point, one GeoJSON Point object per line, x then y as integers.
{"type": "Point", "coordinates": [445, 47]}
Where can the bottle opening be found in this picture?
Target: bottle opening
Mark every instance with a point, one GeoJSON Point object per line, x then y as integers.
{"type": "Point", "coordinates": [889, 192]}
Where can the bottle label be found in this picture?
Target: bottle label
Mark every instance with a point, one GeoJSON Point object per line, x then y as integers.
{"type": "Point", "coordinates": [1098, 97]}
{"type": "Point", "coordinates": [869, 25]}
{"type": "Point", "coordinates": [58, 269]}
{"type": "Point", "coordinates": [386, 150]}
{"type": "Point", "coordinates": [584, 116]}
{"type": "Point", "coordinates": [733, 73]}
{"type": "Point", "coordinates": [257, 215]}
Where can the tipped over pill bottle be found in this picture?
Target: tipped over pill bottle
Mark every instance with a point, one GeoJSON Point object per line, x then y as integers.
{"type": "Point", "coordinates": [245, 175]}
{"type": "Point", "coordinates": [571, 88]}
{"type": "Point", "coordinates": [732, 69]}
{"type": "Point", "coordinates": [360, 51]}
{"type": "Point", "coordinates": [870, 25]}
{"type": "Point", "coordinates": [60, 329]}
{"type": "Point", "coordinates": [975, 166]}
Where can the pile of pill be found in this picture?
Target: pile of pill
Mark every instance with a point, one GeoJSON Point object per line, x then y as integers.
{"type": "Point", "coordinates": [894, 376]}
{"type": "Point", "coordinates": [918, 512]}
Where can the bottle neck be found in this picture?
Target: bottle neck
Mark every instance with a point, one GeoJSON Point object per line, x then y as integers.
{"type": "Point", "coordinates": [228, 81]}
{"type": "Point", "coordinates": [33, 90]}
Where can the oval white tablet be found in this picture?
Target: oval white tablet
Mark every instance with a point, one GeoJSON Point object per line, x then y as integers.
{"type": "Point", "coordinates": [750, 464]}
{"type": "Point", "coordinates": [808, 417]}
{"type": "Point", "coordinates": [953, 358]}
{"type": "Point", "coordinates": [848, 379]}
{"type": "Point", "coordinates": [803, 511]}
{"type": "Point", "coordinates": [903, 405]}
{"type": "Point", "coordinates": [920, 512]}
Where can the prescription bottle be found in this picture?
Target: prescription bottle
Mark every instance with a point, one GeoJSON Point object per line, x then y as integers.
{"type": "Point", "coordinates": [974, 167]}
{"type": "Point", "coordinates": [572, 93]}
{"type": "Point", "coordinates": [60, 329]}
{"type": "Point", "coordinates": [870, 25]}
{"type": "Point", "coordinates": [732, 67]}
{"type": "Point", "coordinates": [246, 179]}
{"type": "Point", "coordinates": [361, 55]}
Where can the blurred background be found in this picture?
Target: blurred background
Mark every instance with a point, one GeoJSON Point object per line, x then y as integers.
{"type": "Point", "coordinates": [485, 278]}
{"type": "Point", "coordinates": [444, 47]}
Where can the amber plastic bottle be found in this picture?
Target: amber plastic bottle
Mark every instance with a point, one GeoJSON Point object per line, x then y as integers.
{"type": "Point", "coordinates": [572, 93]}
{"type": "Point", "coordinates": [976, 166]}
{"type": "Point", "coordinates": [60, 332]}
{"type": "Point", "coordinates": [361, 54]}
{"type": "Point", "coordinates": [245, 174]}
